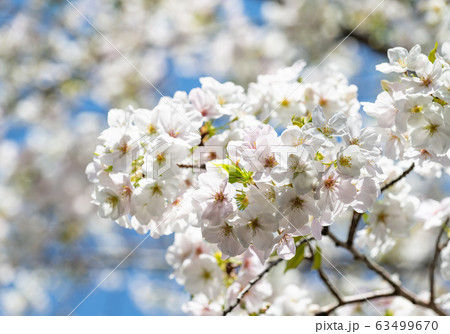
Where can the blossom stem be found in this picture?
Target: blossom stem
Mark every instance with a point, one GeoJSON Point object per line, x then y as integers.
{"type": "Point", "coordinates": [394, 181]}
{"type": "Point", "coordinates": [437, 251]}
{"type": "Point", "coordinates": [255, 280]}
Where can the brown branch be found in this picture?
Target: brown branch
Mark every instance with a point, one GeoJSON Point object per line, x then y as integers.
{"type": "Point", "coordinates": [255, 280]}
{"type": "Point", "coordinates": [353, 226]}
{"type": "Point", "coordinates": [399, 290]}
{"type": "Point", "coordinates": [250, 284]}
{"type": "Point", "coordinates": [360, 298]}
{"type": "Point", "coordinates": [202, 166]}
{"type": "Point", "coordinates": [334, 291]}
{"type": "Point", "coordinates": [394, 181]}
{"type": "Point", "coordinates": [437, 252]}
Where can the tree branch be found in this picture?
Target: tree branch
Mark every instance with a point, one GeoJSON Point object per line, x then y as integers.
{"type": "Point", "coordinates": [356, 299]}
{"type": "Point", "coordinates": [202, 166]}
{"type": "Point", "coordinates": [394, 181]}
{"type": "Point", "coordinates": [255, 280]}
{"type": "Point", "coordinates": [250, 284]}
{"type": "Point", "coordinates": [353, 226]}
{"type": "Point", "coordinates": [399, 290]}
{"type": "Point", "coordinates": [334, 291]}
{"type": "Point", "coordinates": [437, 252]}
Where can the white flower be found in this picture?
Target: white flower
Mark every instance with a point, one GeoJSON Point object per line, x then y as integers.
{"type": "Point", "coordinates": [120, 148]}
{"type": "Point", "coordinates": [335, 126]}
{"type": "Point", "coordinates": [335, 192]}
{"type": "Point", "coordinates": [175, 128]}
{"type": "Point", "coordinates": [427, 78]}
{"type": "Point", "coordinates": [214, 197]}
{"type": "Point", "coordinates": [256, 227]}
{"type": "Point", "coordinates": [350, 160]}
{"type": "Point", "coordinates": [293, 301]}
{"type": "Point", "coordinates": [367, 138]}
{"type": "Point", "coordinates": [411, 108]}
{"type": "Point", "coordinates": [224, 236]}
{"type": "Point", "coordinates": [285, 246]}
{"type": "Point", "coordinates": [114, 197]}
{"type": "Point", "coordinates": [400, 60]}
{"type": "Point", "coordinates": [388, 220]}
{"type": "Point", "coordinates": [254, 300]}
{"type": "Point", "coordinates": [201, 305]}
{"type": "Point", "coordinates": [151, 198]}
{"type": "Point", "coordinates": [147, 121]}
{"type": "Point", "coordinates": [296, 210]}
{"type": "Point", "coordinates": [433, 213]}
{"type": "Point", "coordinates": [295, 136]}
{"type": "Point", "coordinates": [205, 103]}
{"type": "Point", "coordinates": [203, 275]}
{"type": "Point", "coordinates": [384, 110]}
{"type": "Point", "coordinates": [431, 133]}
{"type": "Point", "coordinates": [228, 96]}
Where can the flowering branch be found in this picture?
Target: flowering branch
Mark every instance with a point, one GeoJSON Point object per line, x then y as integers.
{"type": "Point", "coordinates": [357, 216]}
{"type": "Point", "coordinates": [399, 290]}
{"type": "Point", "coordinates": [394, 181]}
{"type": "Point", "coordinates": [250, 284]}
{"type": "Point", "coordinates": [437, 251]}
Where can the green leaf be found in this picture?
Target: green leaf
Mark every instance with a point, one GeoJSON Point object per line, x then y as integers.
{"type": "Point", "coordinates": [297, 259]}
{"type": "Point", "coordinates": [317, 258]}
{"type": "Point", "coordinates": [237, 174]}
{"type": "Point", "coordinates": [432, 55]}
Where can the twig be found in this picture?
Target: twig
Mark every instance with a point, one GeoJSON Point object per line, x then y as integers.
{"type": "Point", "coordinates": [250, 284]}
{"type": "Point", "coordinates": [394, 181]}
{"type": "Point", "coordinates": [437, 252]}
{"type": "Point", "coordinates": [360, 298]}
{"type": "Point", "coordinates": [334, 291]}
{"type": "Point", "coordinates": [202, 166]}
{"type": "Point", "coordinates": [399, 290]}
{"type": "Point", "coordinates": [353, 226]}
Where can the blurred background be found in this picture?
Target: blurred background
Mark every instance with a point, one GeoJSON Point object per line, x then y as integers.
{"type": "Point", "coordinates": [64, 64]}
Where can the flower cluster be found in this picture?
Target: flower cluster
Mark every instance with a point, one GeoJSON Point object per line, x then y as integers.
{"type": "Point", "coordinates": [413, 118]}
{"type": "Point", "coordinates": [206, 161]}
{"type": "Point", "coordinates": [260, 189]}
{"type": "Point", "coordinates": [240, 176]}
{"type": "Point", "coordinates": [215, 283]}
{"type": "Point", "coordinates": [413, 112]}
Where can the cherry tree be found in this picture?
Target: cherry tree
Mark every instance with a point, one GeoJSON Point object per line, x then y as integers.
{"type": "Point", "coordinates": [248, 179]}
{"type": "Point", "coordinates": [108, 53]}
